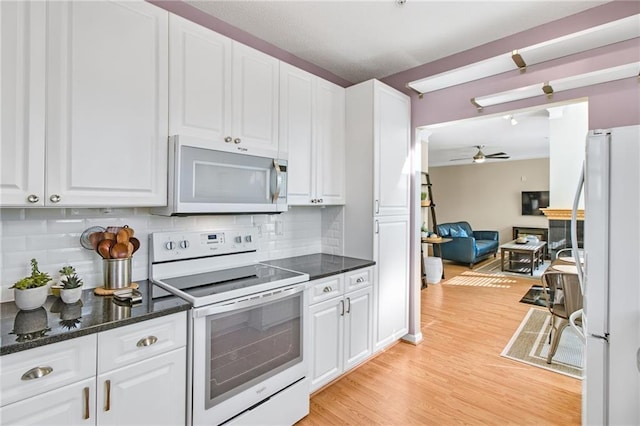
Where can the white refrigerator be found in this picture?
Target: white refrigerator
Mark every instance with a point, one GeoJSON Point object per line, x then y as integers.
{"type": "Point", "coordinates": [611, 283]}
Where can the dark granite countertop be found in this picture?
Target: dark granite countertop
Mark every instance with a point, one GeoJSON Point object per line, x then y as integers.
{"type": "Point", "coordinates": [321, 265]}
{"type": "Point", "coordinates": [57, 321]}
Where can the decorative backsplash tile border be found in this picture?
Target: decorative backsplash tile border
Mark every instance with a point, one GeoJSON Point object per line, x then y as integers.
{"type": "Point", "coordinates": [53, 237]}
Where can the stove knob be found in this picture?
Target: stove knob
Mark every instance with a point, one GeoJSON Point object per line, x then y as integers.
{"type": "Point", "coordinates": [170, 245]}
{"type": "Point", "coordinates": [248, 238]}
{"type": "Point", "coordinates": [184, 244]}
{"type": "Point", "coordinates": [238, 239]}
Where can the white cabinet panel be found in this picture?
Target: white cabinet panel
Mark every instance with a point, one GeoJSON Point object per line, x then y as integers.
{"type": "Point", "coordinates": [22, 93]}
{"type": "Point", "coordinates": [327, 341]}
{"type": "Point", "coordinates": [357, 327]}
{"type": "Point", "coordinates": [392, 151]}
{"type": "Point", "coordinates": [151, 392]}
{"type": "Point", "coordinates": [69, 405]}
{"type": "Point", "coordinates": [312, 128]}
{"type": "Point", "coordinates": [107, 101]}
{"type": "Point", "coordinates": [391, 246]}
{"type": "Point", "coordinates": [199, 93]}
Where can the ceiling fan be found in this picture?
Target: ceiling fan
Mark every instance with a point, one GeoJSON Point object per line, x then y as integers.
{"type": "Point", "coordinates": [481, 157]}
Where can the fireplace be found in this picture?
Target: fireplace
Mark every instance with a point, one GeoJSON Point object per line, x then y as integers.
{"type": "Point", "coordinates": [560, 230]}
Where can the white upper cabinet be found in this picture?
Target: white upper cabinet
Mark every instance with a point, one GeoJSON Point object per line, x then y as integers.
{"type": "Point", "coordinates": [22, 94]}
{"type": "Point", "coordinates": [222, 92]}
{"type": "Point", "coordinates": [392, 141]}
{"type": "Point", "coordinates": [105, 119]}
{"type": "Point", "coordinates": [312, 130]}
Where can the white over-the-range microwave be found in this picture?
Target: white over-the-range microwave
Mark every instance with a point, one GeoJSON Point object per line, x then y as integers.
{"type": "Point", "coordinates": [203, 181]}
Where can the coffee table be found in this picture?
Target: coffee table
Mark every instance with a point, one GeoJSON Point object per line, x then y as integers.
{"type": "Point", "coordinates": [522, 258]}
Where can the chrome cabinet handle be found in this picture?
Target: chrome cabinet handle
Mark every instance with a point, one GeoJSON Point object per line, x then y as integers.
{"type": "Point", "coordinates": [342, 308]}
{"type": "Point", "coordinates": [360, 280]}
{"type": "Point", "coordinates": [237, 141]}
{"type": "Point", "coordinates": [320, 200]}
{"type": "Point", "coordinates": [85, 391]}
{"type": "Point", "coordinates": [377, 227]}
{"type": "Point", "coordinates": [377, 207]}
{"type": "Point", "coordinates": [228, 139]}
{"type": "Point", "coordinates": [55, 198]}
{"type": "Point", "coordinates": [147, 341]}
{"type": "Point", "coordinates": [327, 289]}
{"type": "Point", "coordinates": [107, 404]}
{"type": "Point", "coordinates": [348, 305]}
{"type": "Point", "coordinates": [33, 198]}
{"type": "Point", "coordinates": [36, 373]}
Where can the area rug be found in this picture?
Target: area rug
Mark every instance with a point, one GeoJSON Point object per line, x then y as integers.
{"type": "Point", "coordinates": [535, 296]}
{"type": "Point", "coordinates": [494, 267]}
{"type": "Point", "coordinates": [530, 345]}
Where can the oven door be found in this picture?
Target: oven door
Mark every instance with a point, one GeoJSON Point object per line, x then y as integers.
{"type": "Point", "coordinates": [245, 351]}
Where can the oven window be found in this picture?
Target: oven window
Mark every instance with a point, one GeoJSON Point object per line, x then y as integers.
{"type": "Point", "coordinates": [250, 345]}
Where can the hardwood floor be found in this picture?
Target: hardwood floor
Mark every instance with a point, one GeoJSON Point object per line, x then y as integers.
{"type": "Point", "coordinates": [456, 375]}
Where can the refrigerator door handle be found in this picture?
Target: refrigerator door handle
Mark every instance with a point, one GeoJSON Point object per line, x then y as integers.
{"type": "Point", "coordinates": [574, 229]}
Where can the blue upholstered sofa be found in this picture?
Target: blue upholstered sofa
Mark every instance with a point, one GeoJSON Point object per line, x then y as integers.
{"type": "Point", "coordinates": [467, 246]}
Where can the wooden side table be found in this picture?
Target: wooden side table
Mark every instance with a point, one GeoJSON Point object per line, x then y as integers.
{"type": "Point", "coordinates": [435, 242]}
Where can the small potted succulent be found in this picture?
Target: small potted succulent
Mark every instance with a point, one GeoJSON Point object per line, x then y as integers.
{"type": "Point", "coordinates": [71, 289]}
{"type": "Point", "coordinates": [31, 292]}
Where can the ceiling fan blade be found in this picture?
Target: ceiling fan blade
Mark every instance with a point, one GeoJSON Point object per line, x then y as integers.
{"type": "Point", "coordinates": [496, 154]}
{"type": "Point", "coordinates": [498, 158]}
{"type": "Point", "coordinates": [459, 159]}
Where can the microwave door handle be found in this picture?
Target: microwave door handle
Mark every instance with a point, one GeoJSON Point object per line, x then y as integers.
{"type": "Point", "coordinates": [276, 192]}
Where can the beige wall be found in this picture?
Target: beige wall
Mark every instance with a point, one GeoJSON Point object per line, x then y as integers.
{"type": "Point", "coordinates": [488, 195]}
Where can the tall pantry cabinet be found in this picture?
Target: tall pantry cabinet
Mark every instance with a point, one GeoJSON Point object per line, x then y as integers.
{"type": "Point", "coordinates": [378, 189]}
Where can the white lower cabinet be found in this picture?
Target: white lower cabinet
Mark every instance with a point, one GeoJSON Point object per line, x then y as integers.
{"type": "Point", "coordinates": [129, 375]}
{"type": "Point", "coordinates": [340, 312]}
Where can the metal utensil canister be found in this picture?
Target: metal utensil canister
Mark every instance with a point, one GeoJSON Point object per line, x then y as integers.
{"type": "Point", "coordinates": [116, 273]}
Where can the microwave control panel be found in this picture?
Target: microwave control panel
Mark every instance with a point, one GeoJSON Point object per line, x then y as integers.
{"type": "Point", "coordinates": [180, 245]}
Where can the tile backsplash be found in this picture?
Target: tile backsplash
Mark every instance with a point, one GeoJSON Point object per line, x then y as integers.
{"type": "Point", "coordinates": [52, 236]}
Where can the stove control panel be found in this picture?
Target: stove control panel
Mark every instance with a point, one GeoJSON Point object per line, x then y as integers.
{"type": "Point", "coordinates": [178, 245]}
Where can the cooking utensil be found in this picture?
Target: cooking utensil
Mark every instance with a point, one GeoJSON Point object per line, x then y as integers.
{"type": "Point", "coordinates": [95, 238]}
{"type": "Point", "coordinates": [109, 235]}
{"type": "Point", "coordinates": [129, 249]}
{"type": "Point", "coordinates": [122, 237]}
{"type": "Point", "coordinates": [84, 238]}
{"type": "Point", "coordinates": [104, 248]}
{"type": "Point", "coordinates": [129, 230]}
{"type": "Point", "coordinates": [135, 242]}
{"type": "Point", "coordinates": [119, 251]}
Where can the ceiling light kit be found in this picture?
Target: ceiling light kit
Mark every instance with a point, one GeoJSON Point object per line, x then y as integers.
{"type": "Point", "coordinates": [581, 41]}
{"type": "Point", "coordinates": [481, 157]}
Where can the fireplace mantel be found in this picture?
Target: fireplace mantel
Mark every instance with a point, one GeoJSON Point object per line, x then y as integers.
{"type": "Point", "coordinates": [561, 214]}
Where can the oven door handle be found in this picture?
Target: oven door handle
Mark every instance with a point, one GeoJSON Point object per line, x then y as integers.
{"type": "Point", "coordinates": [249, 301]}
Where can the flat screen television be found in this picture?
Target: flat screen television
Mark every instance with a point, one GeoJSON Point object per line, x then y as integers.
{"type": "Point", "coordinates": [533, 201]}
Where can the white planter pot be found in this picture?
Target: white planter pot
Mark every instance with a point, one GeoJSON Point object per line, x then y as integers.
{"type": "Point", "coordinates": [31, 298]}
{"type": "Point", "coordinates": [71, 295]}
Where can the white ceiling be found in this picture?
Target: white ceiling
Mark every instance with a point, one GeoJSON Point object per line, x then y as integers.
{"type": "Point", "coordinates": [359, 40]}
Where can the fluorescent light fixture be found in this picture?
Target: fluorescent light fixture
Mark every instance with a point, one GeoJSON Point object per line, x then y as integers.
{"type": "Point", "coordinates": [591, 38]}
{"type": "Point", "coordinates": [554, 86]}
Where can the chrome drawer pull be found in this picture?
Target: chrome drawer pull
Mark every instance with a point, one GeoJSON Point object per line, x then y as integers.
{"type": "Point", "coordinates": [327, 289]}
{"type": "Point", "coordinates": [147, 341]}
{"type": "Point", "coordinates": [36, 373]}
{"type": "Point", "coordinates": [86, 403]}
{"type": "Point", "coordinates": [107, 404]}
{"type": "Point", "coordinates": [360, 280]}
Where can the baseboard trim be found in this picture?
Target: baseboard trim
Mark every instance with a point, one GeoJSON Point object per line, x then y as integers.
{"type": "Point", "coordinates": [414, 339]}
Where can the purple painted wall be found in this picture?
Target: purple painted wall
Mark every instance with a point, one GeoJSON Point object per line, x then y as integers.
{"type": "Point", "coordinates": [196, 15]}
{"type": "Point", "coordinates": [610, 104]}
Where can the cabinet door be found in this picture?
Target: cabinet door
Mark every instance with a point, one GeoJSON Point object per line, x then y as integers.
{"type": "Point", "coordinates": [326, 341]}
{"type": "Point", "coordinates": [22, 93]}
{"type": "Point", "coordinates": [150, 392]}
{"type": "Point", "coordinates": [69, 405]}
{"type": "Point", "coordinates": [357, 327]}
{"type": "Point", "coordinates": [255, 99]}
{"type": "Point", "coordinates": [392, 147]}
{"type": "Point", "coordinates": [107, 103]}
{"type": "Point", "coordinates": [391, 286]}
{"type": "Point", "coordinates": [199, 82]}
{"type": "Point", "coordinates": [296, 132]}
{"type": "Point", "coordinates": [330, 142]}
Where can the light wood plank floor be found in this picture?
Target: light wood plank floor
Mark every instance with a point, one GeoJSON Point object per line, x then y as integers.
{"type": "Point", "coordinates": [456, 375]}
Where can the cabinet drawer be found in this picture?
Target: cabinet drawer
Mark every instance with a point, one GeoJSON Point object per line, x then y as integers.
{"type": "Point", "coordinates": [35, 371]}
{"type": "Point", "coordinates": [359, 278]}
{"type": "Point", "coordinates": [122, 346]}
{"type": "Point", "coordinates": [326, 288]}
